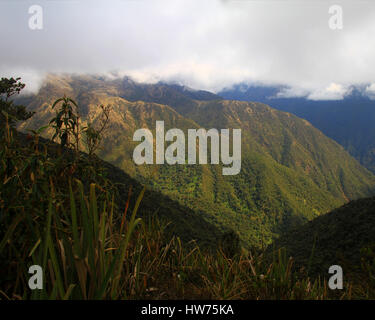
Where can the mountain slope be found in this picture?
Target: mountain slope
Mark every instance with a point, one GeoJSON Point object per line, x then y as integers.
{"type": "Point", "coordinates": [288, 140]}
{"type": "Point", "coordinates": [350, 121]}
{"type": "Point", "coordinates": [182, 221]}
{"type": "Point", "coordinates": [337, 237]}
{"type": "Point", "coordinates": [290, 173]}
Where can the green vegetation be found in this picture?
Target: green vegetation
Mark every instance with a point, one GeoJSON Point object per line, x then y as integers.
{"type": "Point", "coordinates": [64, 210]}
{"type": "Point", "coordinates": [291, 173]}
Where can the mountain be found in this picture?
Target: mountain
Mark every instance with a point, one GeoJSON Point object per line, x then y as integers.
{"type": "Point", "coordinates": [350, 121]}
{"type": "Point", "coordinates": [335, 238]}
{"type": "Point", "coordinates": [291, 172]}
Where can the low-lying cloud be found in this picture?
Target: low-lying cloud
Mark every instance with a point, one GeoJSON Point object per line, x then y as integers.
{"type": "Point", "coordinates": [203, 44]}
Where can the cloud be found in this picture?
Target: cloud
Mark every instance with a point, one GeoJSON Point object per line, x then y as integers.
{"type": "Point", "coordinates": [333, 92]}
{"type": "Point", "coordinates": [292, 92]}
{"type": "Point", "coordinates": [370, 91]}
{"type": "Point", "coordinates": [203, 44]}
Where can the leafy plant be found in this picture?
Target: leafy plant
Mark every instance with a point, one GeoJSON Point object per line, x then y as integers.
{"type": "Point", "coordinates": [92, 135]}
{"type": "Point", "coordinates": [66, 123]}
{"type": "Point", "coordinates": [68, 129]}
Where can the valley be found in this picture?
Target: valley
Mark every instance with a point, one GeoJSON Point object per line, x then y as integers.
{"type": "Point", "coordinates": [290, 172]}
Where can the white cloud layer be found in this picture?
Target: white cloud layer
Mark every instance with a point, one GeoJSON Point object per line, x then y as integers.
{"type": "Point", "coordinates": [207, 44]}
{"type": "Point", "coordinates": [333, 92]}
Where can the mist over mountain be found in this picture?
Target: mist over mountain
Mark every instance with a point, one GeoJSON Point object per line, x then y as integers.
{"type": "Point", "coordinates": [349, 121]}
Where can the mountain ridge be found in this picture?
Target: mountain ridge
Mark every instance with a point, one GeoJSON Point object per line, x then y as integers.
{"type": "Point", "coordinates": [348, 121]}
{"type": "Point", "coordinates": [290, 173]}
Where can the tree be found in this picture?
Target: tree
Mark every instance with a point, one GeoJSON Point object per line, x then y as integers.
{"type": "Point", "coordinates": [10, 112]}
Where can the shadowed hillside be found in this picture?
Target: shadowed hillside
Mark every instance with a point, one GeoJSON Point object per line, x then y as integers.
{"type": "Point", "coordinates": [183, 222]}
{"type": "Point", "coordinates": [335, 238]}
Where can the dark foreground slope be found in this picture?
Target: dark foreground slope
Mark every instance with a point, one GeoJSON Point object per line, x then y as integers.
{"type": "Point", "coordinates": [335, 238]}
{"type": "Point", "coordinates": [183, 222]}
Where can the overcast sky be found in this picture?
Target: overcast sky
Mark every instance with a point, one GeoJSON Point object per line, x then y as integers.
{"type": "Point", "coordinates": [207, 44]}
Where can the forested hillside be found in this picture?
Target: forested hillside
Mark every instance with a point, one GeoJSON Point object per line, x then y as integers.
{"type": "Point", "coordinates": [290, 172]}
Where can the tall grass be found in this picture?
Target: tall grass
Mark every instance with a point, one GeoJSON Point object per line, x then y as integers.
{"type": "Point", "coordinates": [86, 254]}
{"type": "Point", "coordinates": [81, 253]}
